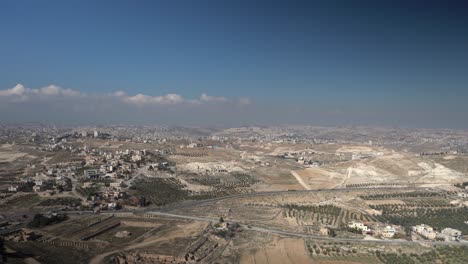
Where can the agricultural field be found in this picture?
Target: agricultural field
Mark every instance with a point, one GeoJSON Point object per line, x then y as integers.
{"type": "Point", "coordinates": [24, 201]}
{"type": "Point", "coordinates": [455, 162]}
{"type": "Point", "coordinates": [160, 191]}
{"type": "Point", "coordinates": [62, 201]}
{"type": "Point", "coordinates": [411, 208]}
{"type": "Point", "coordinates": [49, 253]}
{"type": "Point", "coordinates": [437, 218]}
{"type": "Point", "coordinates": [279, 250]}
{"type": "Point", "coordinates": [323, 215]}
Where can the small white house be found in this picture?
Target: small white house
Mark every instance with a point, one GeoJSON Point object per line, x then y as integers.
{"type": "Point", "coordinates": [388, 232]}
{"type": "Point", "coordinates": [425, 231]}
{"type": "Point", "coordinates": [13, 188]}
{"type": "Point", "coordinates": [358, 225]}
{"type": "Point", "coordinates": [450, 234]}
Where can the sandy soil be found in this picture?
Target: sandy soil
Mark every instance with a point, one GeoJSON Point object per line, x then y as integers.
{"type": "Point", "coordinates": [318, 178]}
{"type": "Point", "coordinates": [396, 167]}
{"type": "Point", "coordinates": [281, 251]}
{"type": "Point", "coordinates": [355, 149]}
{"type": "Point", "coordinates": [6, 156]}
{"type": "Point", "coordinates": [299, 179]}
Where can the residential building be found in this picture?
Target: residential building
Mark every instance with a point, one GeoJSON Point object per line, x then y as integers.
{"type": "Point", "coordinates": [450, 234]}
{"type": "Point", "coordinates": [324, 231]}
{"type": "Point", "coordinates": [38, 188]}
{"type": "Point", "coordinates": [91, 174]}
{"type": "Point", "coordinates": [358, 225]}
{"type": "Point", "coordinates": [388, 232]}
{"type": "Point", "coordinates": [425, 231]}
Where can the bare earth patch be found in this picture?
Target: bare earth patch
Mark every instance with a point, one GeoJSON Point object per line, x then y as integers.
{"type": "Point", "coordinates": [280, 250]}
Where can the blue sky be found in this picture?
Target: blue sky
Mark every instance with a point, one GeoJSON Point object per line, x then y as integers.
{"type": "Point", "coordinates": [339, 56]}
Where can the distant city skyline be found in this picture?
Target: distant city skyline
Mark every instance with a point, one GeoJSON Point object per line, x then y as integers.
{"type": "Point", "coordinates": [230, 63]}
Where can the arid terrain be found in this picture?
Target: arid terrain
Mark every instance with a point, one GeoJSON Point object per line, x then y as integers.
{"type": "Point", "coordinates": [239, 195]}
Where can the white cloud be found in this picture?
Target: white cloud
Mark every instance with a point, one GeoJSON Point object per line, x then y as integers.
{"type": "Point", "coordinates": [244, 101]}
{"type": "Point", "coordinates": [19, 91]}
{"type": "Point", "coordinates": [168, 99]}
{"type": "Point", "coordinates": [119, 93]}
{"type": "Point", "coordinates": [206, 98]}
{"type": "Point", "coordinates": [56, 90]}
{"type": "Point", "coordinates": [142, 99]}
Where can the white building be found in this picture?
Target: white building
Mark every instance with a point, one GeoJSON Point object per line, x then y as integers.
{"type": "Point", "coordinates": [450, 234]}
{"type": "Point", "coordinates": [192, 145]}
{"type": "Point", "coordinates": [389, 232]}
{"type": "Point", "coordinates": [116, 184]}
{"type": "Point", "coordinates": [358, 225]}
{"type": "Point", "coordinates": [91, 174]}
{"type": "Point", "coordinates": [136, 158]}
{"type": "Point", "coordinates": [425, 231]}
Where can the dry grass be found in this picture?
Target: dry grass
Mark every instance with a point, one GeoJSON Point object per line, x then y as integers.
{"type": "Point", "coordinates": [280, 250]}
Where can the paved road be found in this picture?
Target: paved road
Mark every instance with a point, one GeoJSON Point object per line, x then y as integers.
{"type": "Point", "coordinates": [304, 235]}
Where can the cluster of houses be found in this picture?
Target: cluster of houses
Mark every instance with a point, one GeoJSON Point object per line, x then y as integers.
{"type": "Point", "coordinates": [47, 180]}
{"type": "Point", "coordinates": [191, 145]}
{"type": "Point", "coordinates": [103, 172]}
{"type": "Point", "coordinates": [446, 234]}
{"type": "Point", "coordinates": [106, 172]}
{"type": "Point", "coordinates": [386, 232]}
{"type": "Point", "coordinates": [109, 195]}
{"type": "Point", "coordinates": [425, 231]}
{"type": "Point", "coordinates": [302, 158]}
{"type": "Point", "coordinates": [308, 162]}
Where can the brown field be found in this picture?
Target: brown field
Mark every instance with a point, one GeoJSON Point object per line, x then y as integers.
{"type": "Point", "coordinates": [280, 250]}
{"type": "Point", "coordinates": [318, 178]}
{"type": "Point", "coordinates": [166, 241]}
{"type": "Point", "coordinates": [454, 162]}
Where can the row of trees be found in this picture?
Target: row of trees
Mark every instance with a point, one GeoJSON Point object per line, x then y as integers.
{"type": "Point", "coordinates": [461, 185]}
{"type": "Point", "coordinates": [160, 191]}
{"type": "Point", "coordinates": [41, 220]}
{"type": "Point", "coordinates": [399, 195]}
{"type": "Point", "coordinates": [445, 254]}
{"type": "Point", "coordinates": [439, 218]}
